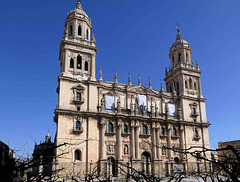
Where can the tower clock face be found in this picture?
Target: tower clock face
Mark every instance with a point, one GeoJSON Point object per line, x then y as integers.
{"type": "Point", "coordinates": [79, 78]}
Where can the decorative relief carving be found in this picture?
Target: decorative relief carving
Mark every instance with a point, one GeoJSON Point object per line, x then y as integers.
{"type": "Point", "coordinates": [110, 147]}
{"type": "Point", "coordinates": [145, 146]}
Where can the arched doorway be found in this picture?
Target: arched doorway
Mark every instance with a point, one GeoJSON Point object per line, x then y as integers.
{"type": "Point", "coordinates": [112, 167]}
{"type": "Point", "coordinates": [146, 161]}
{"type": "Point", "coordinates": [178, 167]}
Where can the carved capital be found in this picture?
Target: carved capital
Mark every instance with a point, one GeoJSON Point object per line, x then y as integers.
{"type": "Point", "coordinates": [119, 123]}
{"type": "Point", "coordinates": [102, 122]}
{"type": "Point", "coordinates": [137, 124]}
{"type": "Point", "coordinates": [132, 124]}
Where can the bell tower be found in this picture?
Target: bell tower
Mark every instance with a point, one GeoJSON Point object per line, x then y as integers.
{"type": "Point", "coordinates": [78, 46]}
{"type": "Point", "coordinates": [183, 80]}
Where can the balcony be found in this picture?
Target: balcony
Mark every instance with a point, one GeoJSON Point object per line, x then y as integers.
{"type": "Point", "coordinates": [78, 101]}
{"type": "Point", "coordinates": [194, 114]}
{"type": "Point", "coordinates": [77, 130]}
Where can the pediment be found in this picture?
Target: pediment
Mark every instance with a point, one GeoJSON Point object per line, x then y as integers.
{"type": "Point", "coordinates": [140, 89]}
{"type": "Point", "coordinates": [78, 87]}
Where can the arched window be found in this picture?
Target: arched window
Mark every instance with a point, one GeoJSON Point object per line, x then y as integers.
{"type": "Point", "coordinates": [177, 87]}
{"type": "Point", "coordinates": [176, 160]}
{"type": "Point", "coordinates": [187, 58]}
{"type": "Point", "coordinates": [170, 89]}
{"type": "Point", "coordinates": [110, 127]}
{"type": "Point", "coordinates": [174, 131]}
{"type": "Point", "coordinates": [186, 84]}
{"type": "Point", "coordinates": [78, 155]}
{"type": "Point", "coordinates": [86, 66]}
{"type": "Point", "coordinates": [79, 62]}
{"type": "Point", "coordinates": [71, 63]}
{"type": "Point", "coordinates": [125, 129]}
{"type": "Point", "coordinates": [162, 131]}
{"type": "Point", "coordinates": [87, 34]}
{"type": "Point", "coordinates": [190, 83]}
{"type": "Point", "coordinates": [144, 129]}
{"type": "Point", "coordinates": [194, 110]}
{"type": "Point", "coordinates": [195, 86]}
{"type": "Point", "coordinates": [70, 30]}
{"type": "Point", "coordinates": [179, 57]}
{"type": "Point", "coordinates": [173, 60]}
{"type": "Point", "coordinates": [79, 30]}
{"type": "Point", "coordinates": [196, 133]}
{"type": "Point", "coordinates": [78, 125]}
{"type": "Point", "coordinates": [78, 96]}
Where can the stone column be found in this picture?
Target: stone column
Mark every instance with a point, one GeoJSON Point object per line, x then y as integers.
{"type": "Point", "coordinates": [92, 67]}
{"type": "Point", "coordinates": [132, 140]}
{"type": "Point", "coordinates": [181, 140]}
{"type": "Point", "coordinates": [158, 142]}
{"type": "Point", "coordinates": [102, 124]}
{"type": "Point", "coordinates": [119, 139]}
{"type": "Point", "coordinates": [153, 148]}
{"type": "Point", "coordinates": [137, 140]}
{"type": "Point", "coordinates": [169, 140]}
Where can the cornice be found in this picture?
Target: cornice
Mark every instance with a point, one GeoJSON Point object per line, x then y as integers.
{"type": "Point", "coordinates": [78, 44]}
{"type": "Point", "coordinates": [128, 117]}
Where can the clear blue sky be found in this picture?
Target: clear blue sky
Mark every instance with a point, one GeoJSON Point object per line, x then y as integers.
{"type": "Point", "coordinates": [132, 36]}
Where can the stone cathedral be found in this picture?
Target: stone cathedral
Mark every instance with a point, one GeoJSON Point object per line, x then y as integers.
{"type": "Point", "coordinates": [105, 124]}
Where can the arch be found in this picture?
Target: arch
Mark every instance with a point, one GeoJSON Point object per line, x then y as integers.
{"type": "Point", "coordinates": [78, 155]}
{"type": "Point", "coordinates": [170, 89]}
{"type": "Point", "coordinates": [125, 128]}
{"type": "Point", "coordinates": [78, 125]}
{"type": "Point", "coordinates": [186, 84]}
{"type": "Point", "coordinates": [190, 83]}
{"type": "Point", "coordinates": [70, 30]}
{"type": "Point", "coordinates": [194, 111]}
{"type": "Point", "coordinates": [79, 62]}
{"type": "Point", "coordinates": [110, 127]}
{"type": "Point", "coordinates": [71, 63]}
{"type": "Point", "coordinates": [176, 160]}
{"type": "Point", "coordinates": [198, 156]}
{"type": "Point", "coordinates": [196, 133]}
{"type": "Point", "coordinates": [187, 58]}
{"type": "Point", "coordinates": [113, 166]}
{"type": "Point", "coordinates": [179, 57]}
{"type": "Point", "coordinates": [174, 131]}
{"type": "Point", "coordinates": [177, 87]}
{"type": "Point", "coordinates": [164, 152]}
{"type": "Point", "coordinates": [146, 161]}
{"type": "Point", "coordinates": [144, 129]}
{"type": "Point", "coordinates": [86, 66]}
{"type": "Point", "coordinates": [79, 30]}
{"type": "Point", "coordinates": [87, 34]}
{"type": "Point", "coordinates": [125, 148]}
{"type": "Point", "coordinates": [162, 131]}
{"type": "Point", "coordinates": [195, 86]}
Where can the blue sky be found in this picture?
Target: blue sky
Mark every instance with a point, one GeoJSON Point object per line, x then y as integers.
{"type": "Point", "coordinates": [132, 36]}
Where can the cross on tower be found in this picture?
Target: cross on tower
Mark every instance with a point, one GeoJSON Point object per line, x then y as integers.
{"type": "Point", "coordinates": [178, 29]}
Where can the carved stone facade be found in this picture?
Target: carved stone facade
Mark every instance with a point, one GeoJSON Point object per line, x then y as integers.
{"type": "Point", "coordinates": [123, 123]}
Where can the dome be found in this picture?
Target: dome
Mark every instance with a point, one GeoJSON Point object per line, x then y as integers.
{"type": "Point", "coordinates": [78, 11]}
{"type": "Point", "coordinates": [180, 43]}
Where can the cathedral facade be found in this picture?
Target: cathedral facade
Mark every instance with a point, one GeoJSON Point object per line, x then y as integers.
{"type": "Point", "coordinates": [105, 124]}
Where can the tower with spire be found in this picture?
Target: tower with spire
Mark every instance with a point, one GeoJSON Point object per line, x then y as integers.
{"type": "Point", "coordinates": [78, 46]}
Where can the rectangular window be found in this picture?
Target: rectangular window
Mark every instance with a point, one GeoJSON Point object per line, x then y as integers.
{"type": "Point", "coordinates": [78, 96]}
{"type": "Point", "coordinates": [109, 102]}
{"type": "Point", "coordinates": [171, 108]}
{"type": "Point", "coordinates": [142, 101]}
